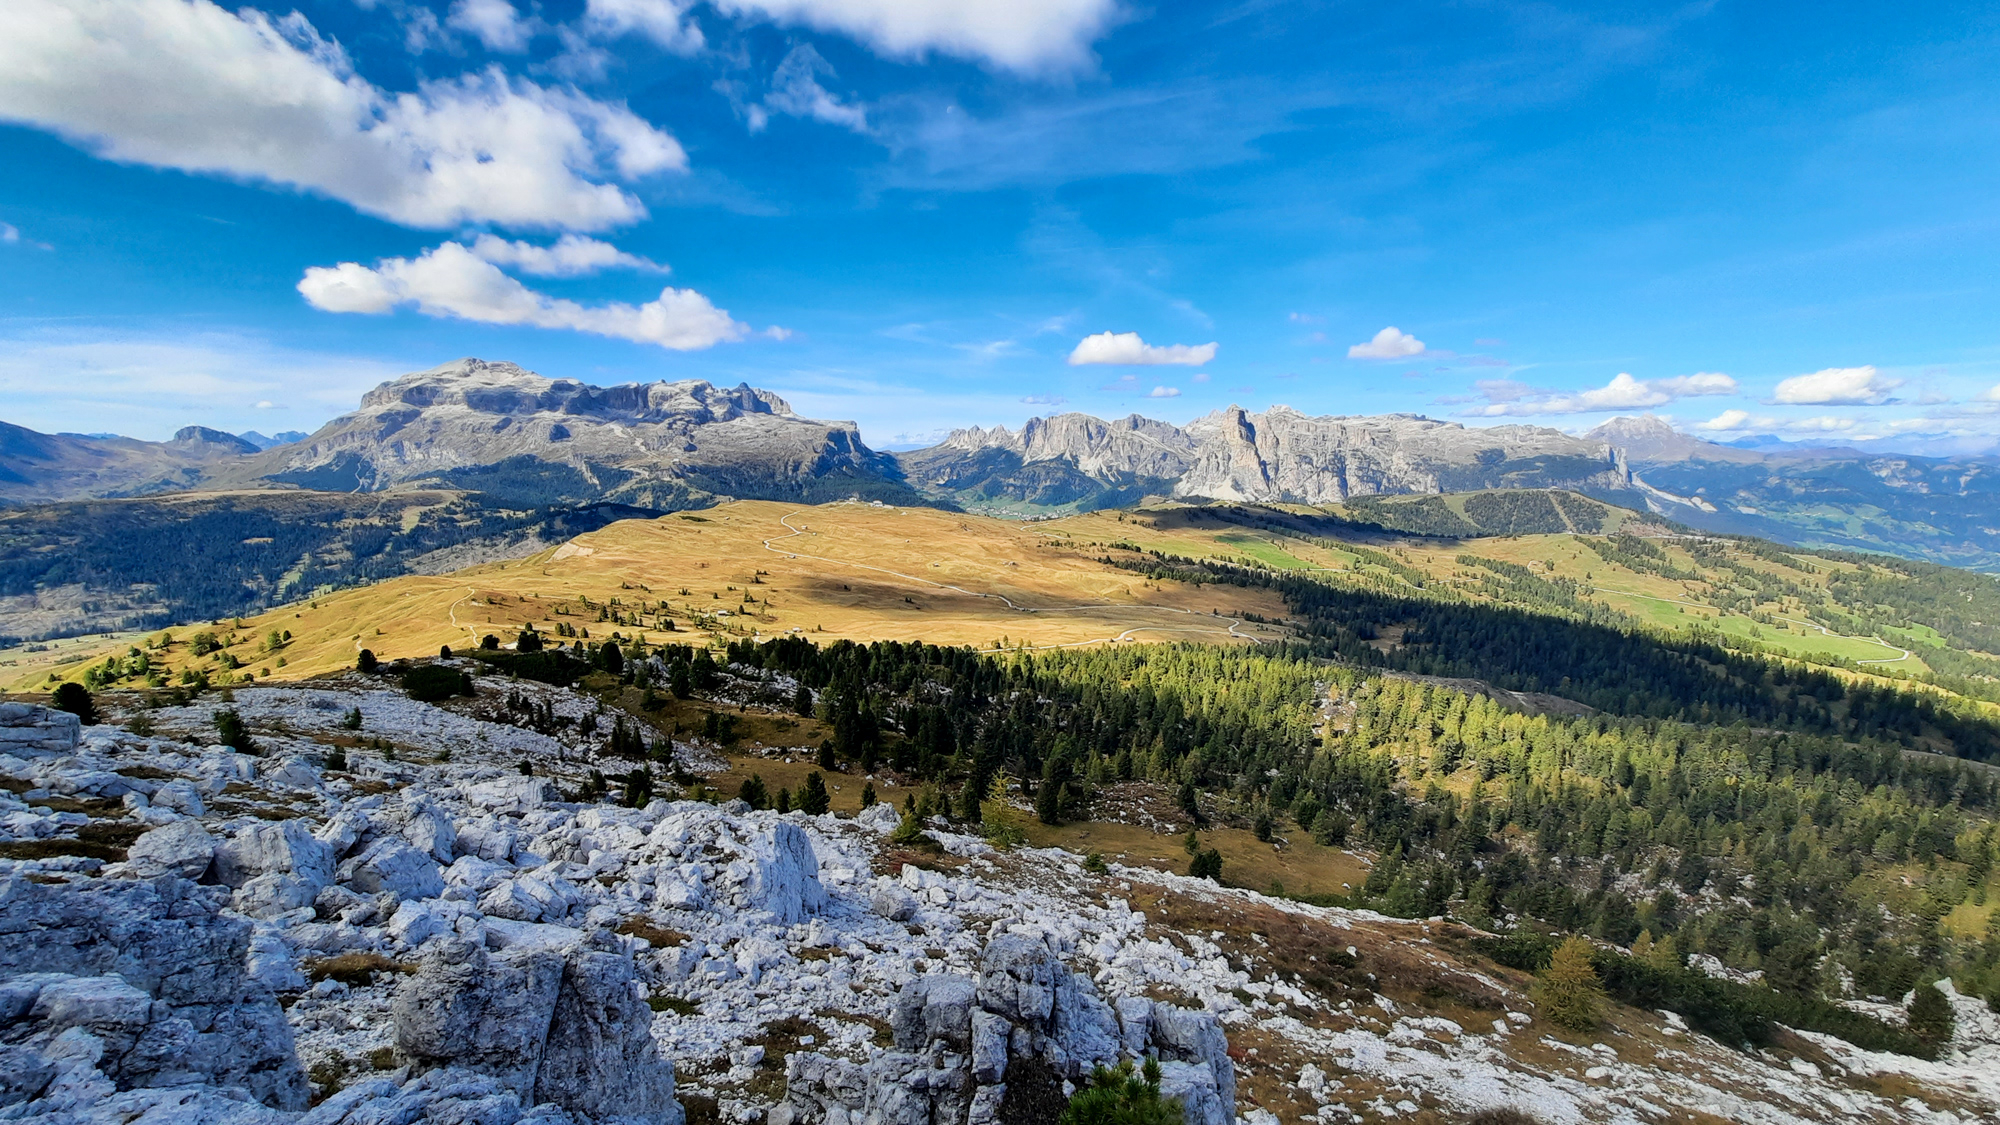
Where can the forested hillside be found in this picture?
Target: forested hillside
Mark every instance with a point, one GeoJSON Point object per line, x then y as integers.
{"type": "Point", "coordinates": [1832, 866]}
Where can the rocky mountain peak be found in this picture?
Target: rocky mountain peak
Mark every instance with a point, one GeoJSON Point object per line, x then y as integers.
{"type": "Point", "coordinates": [508, 389]}
{"type": "Point", "coordinates": [1649, 438]}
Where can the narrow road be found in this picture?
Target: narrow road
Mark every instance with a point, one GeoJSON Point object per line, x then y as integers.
{"type": "Point", "coordinates": [1234, 622]}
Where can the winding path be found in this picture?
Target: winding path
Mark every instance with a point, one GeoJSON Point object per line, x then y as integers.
{"type": "Point", "coordinates": [1234, 622]}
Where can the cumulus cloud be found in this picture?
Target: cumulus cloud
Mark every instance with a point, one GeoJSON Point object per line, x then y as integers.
{"type": "Point", "coordinates": [1164, 392]}
{"type": "Point", "coordinates": [1507, 397]}
{"type": "Point", "coordinates": [1390, 343]}
{"type": "Point", "coordinates": [572, 255]}
{"type": "Point", "coordinates": [495, 23]}
{"type": "Point", "coordinates": [1019, 35]}
{"type": "Point", "coordinates": [795, 90]}
{"type": "Point", "coordinates": [188, 85]}
{"type": "Point", "coordinates": [451, 281]}
{"type": "Point", "coordinates": [1991, 394]}
{"type": "Point", "coordinates": [1127, 349]}
{"type": "Point", "coordinates": [1837, 386]}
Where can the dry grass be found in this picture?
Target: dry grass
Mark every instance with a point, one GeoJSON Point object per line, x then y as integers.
{"type": "Point", "coordinates": [858, 572]}
{"type": "Point", "coordinates": [354, 969]}
{"type": "Point", "coordinates": [658, 936]}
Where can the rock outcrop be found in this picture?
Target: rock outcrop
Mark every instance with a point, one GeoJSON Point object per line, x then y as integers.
{"type": "Point", "coordinates": [30, 730]}
{"type": "Point", "coordinates": [1025, 1031]}
{"type": "Point", "coordinates": [123, 984]}
{"type": "Point", "coordinates": [565, 1030]}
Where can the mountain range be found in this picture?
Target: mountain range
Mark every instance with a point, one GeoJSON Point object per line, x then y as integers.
{"type": "Point", "coordinates": [508, 439]}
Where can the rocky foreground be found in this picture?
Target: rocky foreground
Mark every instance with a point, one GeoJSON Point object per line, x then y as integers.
{"type": "Point", "coordinates": [439, 932]}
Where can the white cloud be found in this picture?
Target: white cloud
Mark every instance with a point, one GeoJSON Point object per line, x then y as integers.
{"type": "Point", "coordinates": [665, 22]}
{"type": "Point", "coordinates": [1044, 400]}
{"type": "Point", "coordinates": [1837, 386]}
{"type": "Point", "coordinates": [1991, 394]}
{"type": "Point", "coordinates": [1200, 377]}
{"type": "Point", "coordinates": [186, 84]}
{"type": "Point", "coordinates": [573, 255]}
{"type": "Point", "coordinates": [1699, 383]}
{"type": "Point", "coordinates": [494, 23]}
{"type": "Point", "coordinates": [1390, 343]}
{"type": "Point", "coordinates": [1742, 421]}
{"type": "Point", "coordinates": [795, 90]}
{"type": "Point", "coordinates": [1127, 349]}
{"type": "Point", "coordinates": [1164, 392]}
{"type": "Point", "coordinates": [1507, 397]}
{"type": "Point", "coordinates": [1021, 35]}
{"type": "Point", "coordinates": [9, 233]}
{"type": "Point", "coordinates": [450, 281]}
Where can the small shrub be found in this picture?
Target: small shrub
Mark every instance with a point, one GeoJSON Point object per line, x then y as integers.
{"type": "Point", "coordinates": [365, 661]}
{"type": "Point", "coordinates": [1094, 863]}
{"type": "Point", "coordinates": [1121, 1097]}
{"type": "Point", "coordinates": [1206, 864]}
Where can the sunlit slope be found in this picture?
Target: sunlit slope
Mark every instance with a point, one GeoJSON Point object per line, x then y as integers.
{"type": "Point", "coordinates": [1750, 596]}
{"type": "Point", "coordinates": [761, 569]}
{"type": "Point", "coordinates": [744, 569]}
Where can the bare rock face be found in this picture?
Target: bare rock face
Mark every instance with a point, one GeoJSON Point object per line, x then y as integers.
{"type": "Point", "coordinates": [500, 429]}
{"type": "Point", "coordinates": [564, 1030]}
{"type": "Point", "coordinates": [1283, 455]}
{"type": "Point", "coordinates": [1280, 455]}
{"type": "Point", "coordinates": [118, 985]}
{"type": "Point", "coordinates": [969, 1049]}
{"type": "Point", "coordinates": [28, 730]}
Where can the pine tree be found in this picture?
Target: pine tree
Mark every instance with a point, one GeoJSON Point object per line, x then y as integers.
{"type": "Point", "coordinates": [754, 793]}
{"type": "Point", "coordinates": [867, 794]}
{"type": "Point", "coordinates": [1931, 1019]}
{"type": "Point", "coordinates": [784, 802]}
{"type": "Point", "coordinates": [75, 699]}
{"type": "Point", "coordinates": [813, 797]}
{"type": "Point", "coordinates": [1048, 802]}
{"type": "Point", "coordinates": [1569, 992]}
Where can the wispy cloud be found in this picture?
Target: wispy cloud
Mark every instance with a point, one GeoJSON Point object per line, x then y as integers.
{"type": "Point", "coordinates": [1511, 398]}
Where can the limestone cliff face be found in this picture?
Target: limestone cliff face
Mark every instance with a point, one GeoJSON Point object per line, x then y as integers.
{"type": "Point", "coordinates": [499, 428]}
{"type": "Point", "coordinates": [1232, 454]}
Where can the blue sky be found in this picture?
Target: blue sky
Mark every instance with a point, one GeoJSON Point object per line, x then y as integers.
{"type": "Point", "coordinates": [1750, 217]}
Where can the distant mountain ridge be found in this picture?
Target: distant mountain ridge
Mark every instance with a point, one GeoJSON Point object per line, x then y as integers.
{"type": "Point", "coordinates": [1280, 455]}
{"type": "Point", "coordinates": [520, 441]}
